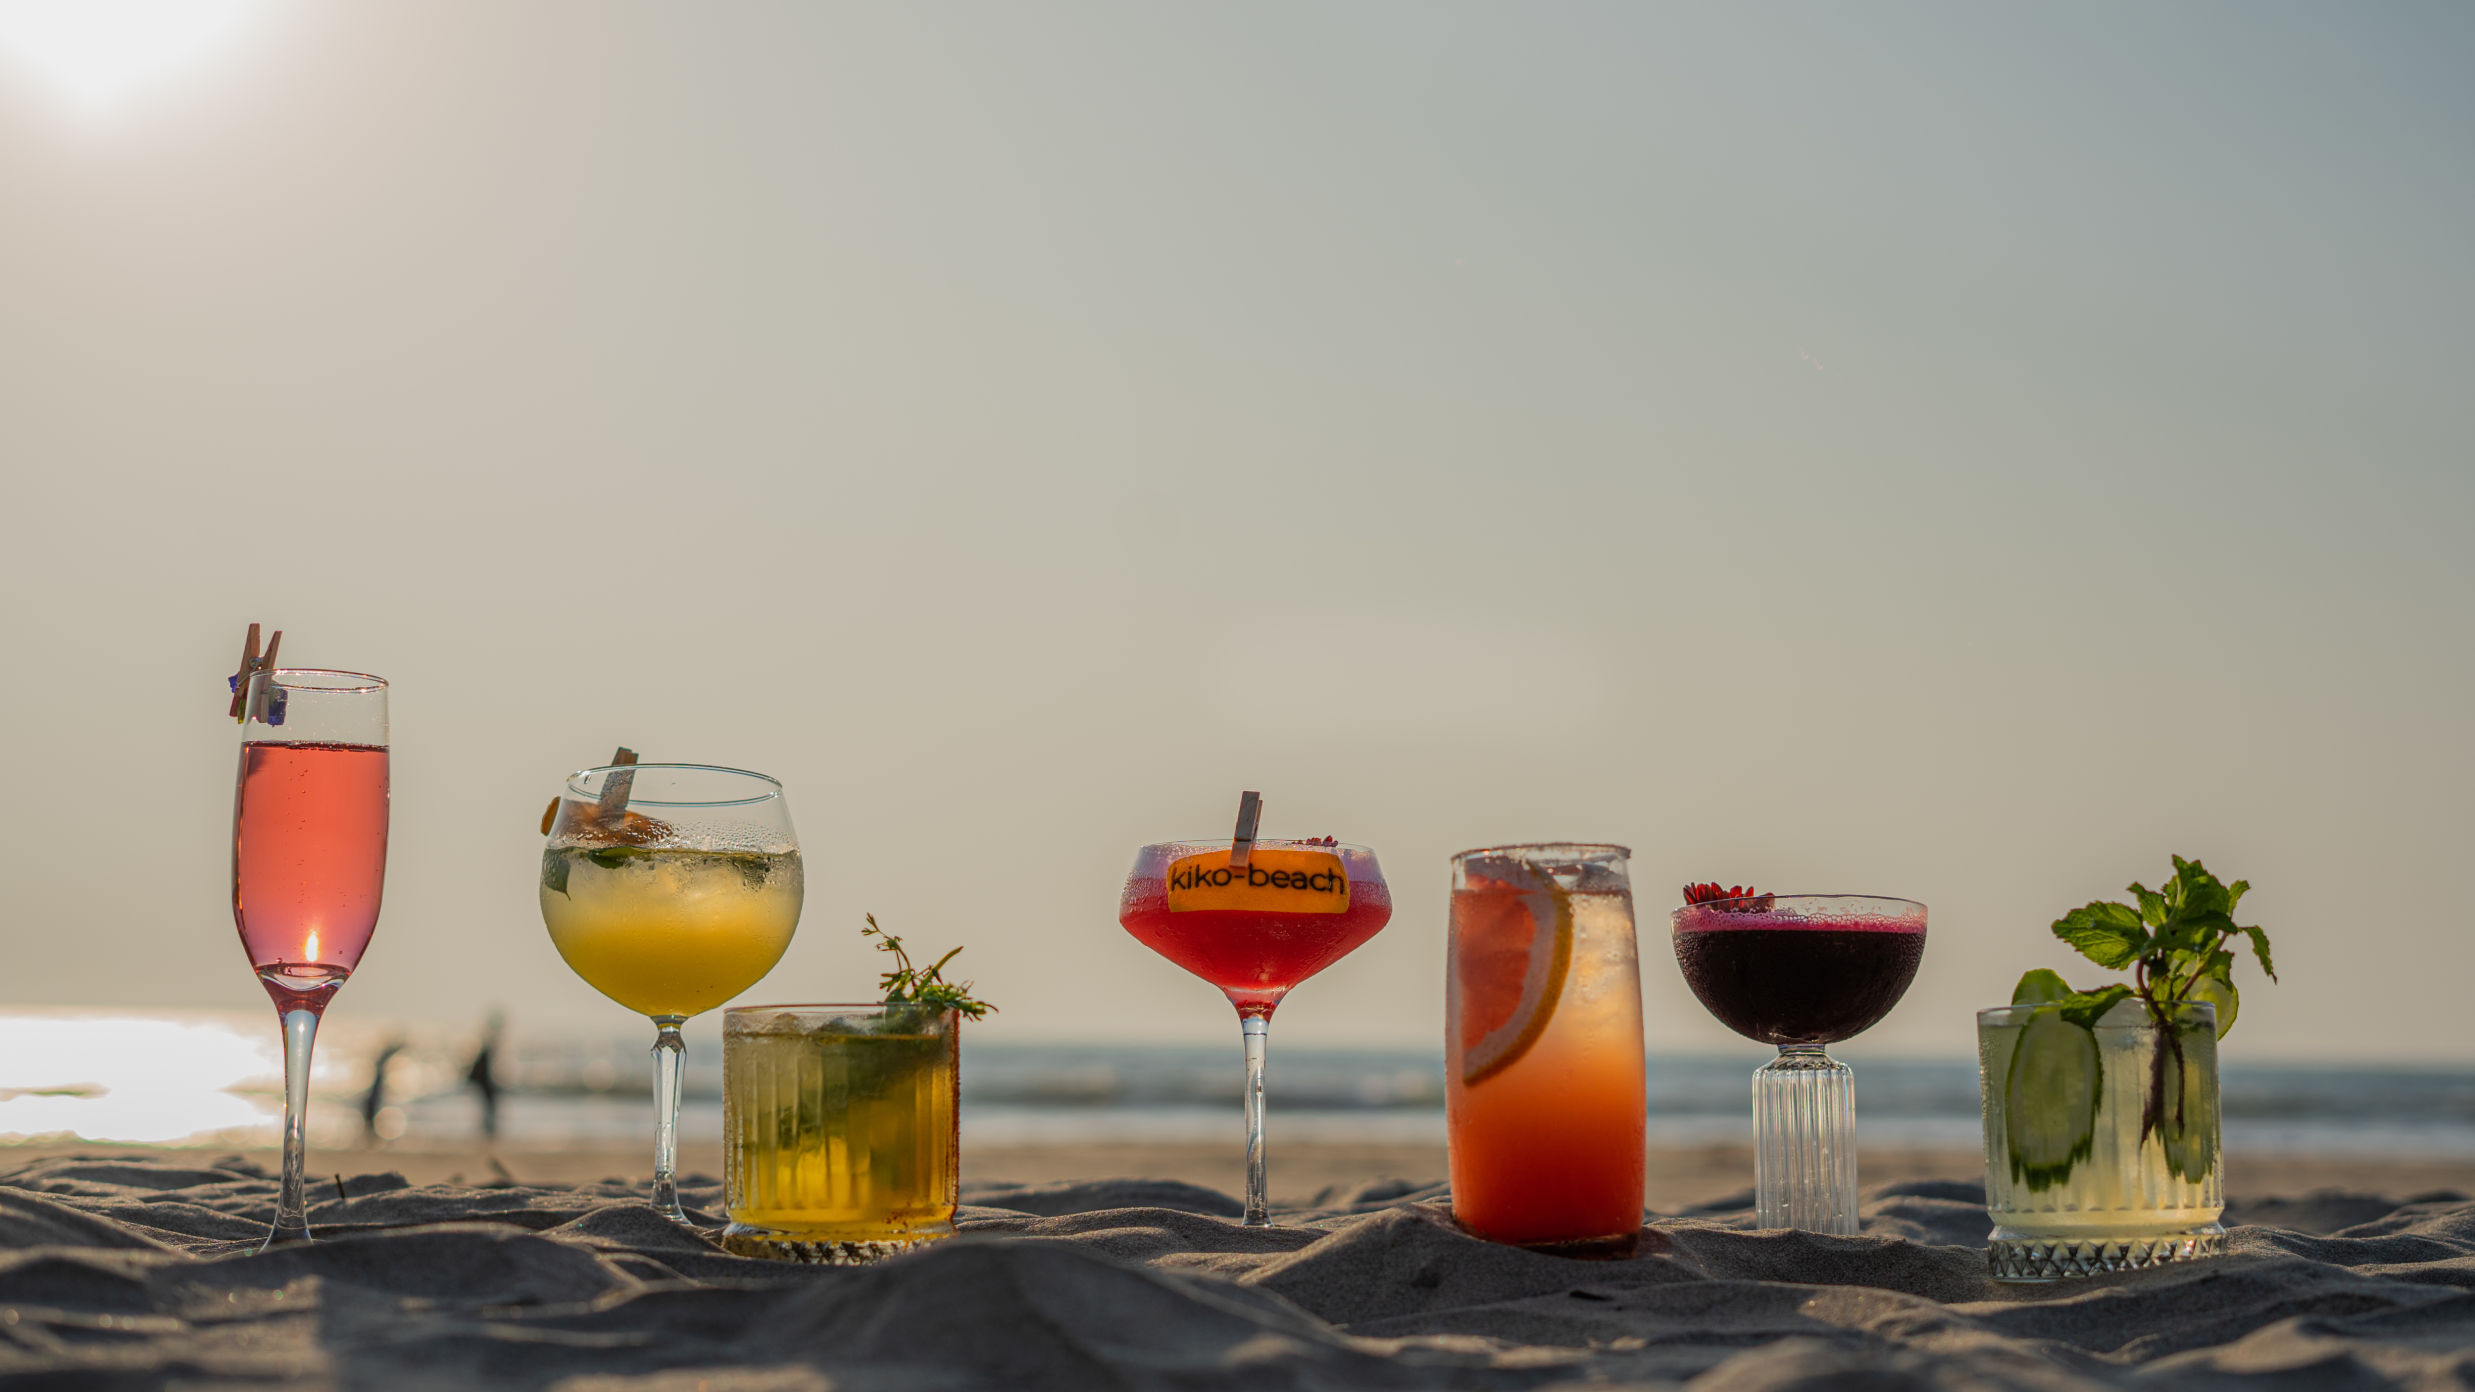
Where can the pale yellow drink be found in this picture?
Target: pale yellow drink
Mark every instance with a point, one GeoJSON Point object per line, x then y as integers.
{"type": "Point", "coordinates": [2087, 1168]}
{"type": "Point", "coordinates": [670, 932]}
{"type": "Point", "coordinates": [839, 1129]}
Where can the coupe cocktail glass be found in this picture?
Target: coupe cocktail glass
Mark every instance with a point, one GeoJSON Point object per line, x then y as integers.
{"type": "Point", "coordinates": [671, 888]}
{"type": "Point", "coordinates": [2101, 1141]}
{"type": "Point", "coordinates": [1543, 1096]}
{"type": "Point", "coordinates": [1255, 932]}
{"type": "Point", "coordinates": [309, 859]}
{"type": "Point", "coordinates": [1801, 971]}
{"type": "Point", "coordinates": [840, 1129]}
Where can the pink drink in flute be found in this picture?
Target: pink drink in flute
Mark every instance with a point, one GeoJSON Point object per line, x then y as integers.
{"type": "Point", "coordinates": [309, 859]}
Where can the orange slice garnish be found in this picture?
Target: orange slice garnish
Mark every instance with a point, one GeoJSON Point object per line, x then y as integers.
{"type": "Point", "coordinates": [1512, 946]}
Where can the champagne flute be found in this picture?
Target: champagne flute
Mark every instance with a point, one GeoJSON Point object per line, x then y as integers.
{"type": "Point", "coordinates": [672, 909]}
{"type": "Point", "coordinates": [309, 858]}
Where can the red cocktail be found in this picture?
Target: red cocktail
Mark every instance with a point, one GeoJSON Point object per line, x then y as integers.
{"type": "Point", "coordinates": [1255, 957]}
{"type": "Point", "coordinates": [1255, 925]}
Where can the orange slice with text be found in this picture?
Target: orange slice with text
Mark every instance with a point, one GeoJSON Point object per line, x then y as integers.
{"type": "Point", "coordinates": [1512, 946]}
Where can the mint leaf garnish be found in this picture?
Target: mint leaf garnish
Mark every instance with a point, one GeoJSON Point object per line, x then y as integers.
{"type": "Point", "coordinates": [2174, 938]}
{"type": "Point", "coordinates": [2109, 935]}
{"type": "Point", "coordinates": [2177, 940]}
{"type": "Point", "coordinates": [2086, 1008]}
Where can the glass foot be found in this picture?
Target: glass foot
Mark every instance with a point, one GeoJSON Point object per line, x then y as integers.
{"type": "Point", "coordinates": [2024, 1258]}
{"type": "Point", "coordinates": [816, 1249]}
{"type": "Point", "coordinates": [1804, 1143]}
{"type": "Point", "coordinates": [1622, 1247]}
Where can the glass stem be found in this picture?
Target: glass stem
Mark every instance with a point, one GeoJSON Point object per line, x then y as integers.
{"type": "Point", "coordinates": [1256, 1029]}
{"type": "Point", "coordinates": [669, 1066]}
{"type": "Point", "coordinates": [1804, 1143]}
{"type": "Point", "coordinates": [291, 1202]}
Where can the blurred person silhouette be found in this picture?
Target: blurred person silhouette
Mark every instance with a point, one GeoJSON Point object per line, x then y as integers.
{"type": "Point", "coordinates": [483, 1075]}
{"type": "Point", "coordinates": [375, 1100]}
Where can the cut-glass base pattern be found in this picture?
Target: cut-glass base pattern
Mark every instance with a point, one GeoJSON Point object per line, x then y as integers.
{"type": "Point", "coordinates": [2023, 1258]}
{"type": "Point", "coordinates": [742, 1241]}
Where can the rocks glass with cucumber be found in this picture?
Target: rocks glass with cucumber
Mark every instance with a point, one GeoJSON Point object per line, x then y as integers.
{"type": "Point", "coordinates": [2101, 1136]}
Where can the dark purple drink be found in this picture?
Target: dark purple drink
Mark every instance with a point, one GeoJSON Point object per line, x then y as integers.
{"type": "Point", "coordinates": [1787, 977]}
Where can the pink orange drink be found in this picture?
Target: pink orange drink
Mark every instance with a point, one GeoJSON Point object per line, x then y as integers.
{"type": "Point", "coordinates": [1544, 1084]}
{"type": "Point", "coordinates": [309, 859]}
{"type": "Point", "coordinates": [1254, 918]}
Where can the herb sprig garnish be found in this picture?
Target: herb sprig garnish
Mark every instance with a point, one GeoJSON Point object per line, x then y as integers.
{"type": "Point", "coordinates": [2178, 942]}
{"type": "Point", "coordinates": [909, 985]}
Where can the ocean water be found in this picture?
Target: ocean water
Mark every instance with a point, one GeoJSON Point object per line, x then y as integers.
{"type": "Point", "coordinates": [215, 1078]}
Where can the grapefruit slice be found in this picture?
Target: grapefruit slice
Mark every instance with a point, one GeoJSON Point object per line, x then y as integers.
{"type": "Point", "coordinates": [1512, 945]}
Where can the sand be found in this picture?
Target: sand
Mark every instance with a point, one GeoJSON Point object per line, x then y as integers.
{"type": "Point", "coordinates": [1679, 1178]}
{"type": "Point", "coordinates": [136, 1270]}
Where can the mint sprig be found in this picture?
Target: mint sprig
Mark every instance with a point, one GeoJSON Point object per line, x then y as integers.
{"type": "Point", "coordinates": [924, 987]}
{"type": "Point", "coordinates": [2177, 940]}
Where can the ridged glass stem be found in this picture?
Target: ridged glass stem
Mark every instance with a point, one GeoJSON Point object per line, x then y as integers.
{"type": "Point", "coordinates": [291, 1203]}
{"type": "Point", "coordinates": [1257, 1030]}
{"type": "Point", "coordinates": [1804, 1143]}
{"type": "Point", "coordinates": [669, 1064]}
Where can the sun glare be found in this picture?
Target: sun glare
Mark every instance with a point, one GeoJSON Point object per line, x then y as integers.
{"type": "Point", "coordinates": [100, 52]}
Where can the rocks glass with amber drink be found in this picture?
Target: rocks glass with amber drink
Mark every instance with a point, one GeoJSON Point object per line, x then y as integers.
{"type": "Point", "coordinates": [840, 1129]}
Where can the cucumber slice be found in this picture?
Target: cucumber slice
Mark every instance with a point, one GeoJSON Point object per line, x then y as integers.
{"type": "Point", "coordinates": [2190, 1142]}
{"type": "Point", "coordinates": [2049, 1099]}
{"type": "Point", "coordinates": [2040, 987]}
{"type": "Point", "coordinates": [2220, 992]}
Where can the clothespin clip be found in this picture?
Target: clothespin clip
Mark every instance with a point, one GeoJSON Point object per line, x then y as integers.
{"type": "Point", "coordinates": [1250, 814]}
{"type": "Point", "coordinates": [610, 806]}
{"type": "Point", "coordinates": [252, 683]}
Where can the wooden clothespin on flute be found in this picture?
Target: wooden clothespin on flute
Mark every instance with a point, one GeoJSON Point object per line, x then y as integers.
{"type": "Point", "coordinates": [257, 673]}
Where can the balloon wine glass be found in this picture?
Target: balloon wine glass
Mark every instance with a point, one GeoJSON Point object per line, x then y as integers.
{"type": "Point", "coordinates": [672, 909]}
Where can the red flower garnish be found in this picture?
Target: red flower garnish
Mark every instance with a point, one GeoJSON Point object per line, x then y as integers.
{"type": "Point", "coordinates": [1321, 841]}
{"type": "Point", "coordinates": [1728, 898]}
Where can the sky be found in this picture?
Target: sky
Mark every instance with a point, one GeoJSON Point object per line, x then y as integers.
{"type": "Point", "coordinates": [1964, 453]}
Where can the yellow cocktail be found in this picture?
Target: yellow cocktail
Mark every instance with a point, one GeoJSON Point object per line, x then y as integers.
{"type": "Point", "coordinates": [670, 888]}
{"type": "Point", "coordinates": [670, 932]}
{"type": "Point", "coordinates": [839, 1129]}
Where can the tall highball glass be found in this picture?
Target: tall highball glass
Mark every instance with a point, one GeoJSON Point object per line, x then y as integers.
{"type": "Point", "coordinates": [309, 859]}
{"type": "Point", "coordinates": [1544, 1102]}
